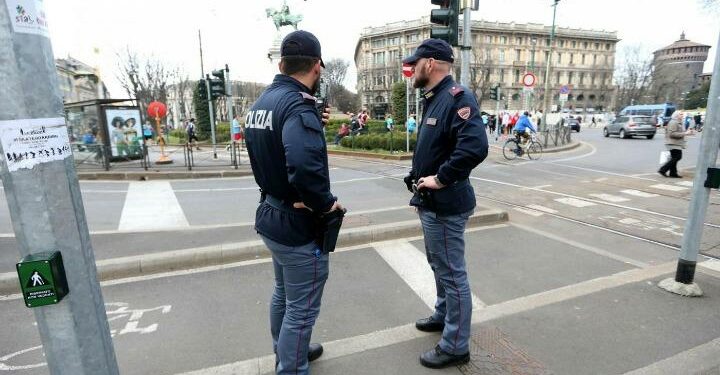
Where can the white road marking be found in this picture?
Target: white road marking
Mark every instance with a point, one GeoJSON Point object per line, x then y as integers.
{"type": "Point", "coordinates": [600, 171]}
{"type": "Point", "coordinates": [668, 187]}
{"type": "Point", "coordinates": [696, 360]}
{"type": "Point", "coordinates": [528, 211]}
{"type": "Point", "coordinates": [151, 205]}
{"type": "Point", "coordinates": [412, 266]}
{"type": "Point", "coordinates": [629, 221]}
{"type": "Point", "coordinates": [594, 150]}
{"type": "Point", "coordinates": [381, 339]}
{"type": "Point", "coordinates": [542, 187]}
{"type": "Point", "coordinates": [685, 183]}
{"type": "Point", "coordinates": [638, 193]}
{"type": "Point", "coordinates": [601, 179]}
{"type": "Point", "coordinates": [610, 198]}
{"type": "Point", "coordinates": [541, 208]}
{"type": "Point", "coordinates": [579, 203]}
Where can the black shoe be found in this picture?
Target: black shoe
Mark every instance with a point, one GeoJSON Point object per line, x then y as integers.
{"type": "Point", "coordinates": [437, 358]}
{"type": "Point", "coordinates": [314, 352]}
{"type": "Point", "coordinates": [429, 325]}
{"type": "Point", "coordinates": [675, 176]}
{"type": "Point", "coordinates": [662, 173]}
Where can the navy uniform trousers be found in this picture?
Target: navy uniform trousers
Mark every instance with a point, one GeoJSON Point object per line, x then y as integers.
{"type": "Point", "coordinates": [445, 250]}
{"type": "Point", "coordinates": [300, 275]}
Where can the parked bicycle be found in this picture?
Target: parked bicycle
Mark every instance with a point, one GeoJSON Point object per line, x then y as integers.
{"type": "Point", "coordinates": [514, 148]}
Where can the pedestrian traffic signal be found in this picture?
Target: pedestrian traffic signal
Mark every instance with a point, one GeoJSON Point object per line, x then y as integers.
{"type": "Point", "coordinates": [495, 93]}
{"type": "Point", "coordinates": [446, 16]}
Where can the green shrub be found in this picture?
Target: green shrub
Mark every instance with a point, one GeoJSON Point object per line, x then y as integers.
{"type": "Point", "coordinates": [222, 132]}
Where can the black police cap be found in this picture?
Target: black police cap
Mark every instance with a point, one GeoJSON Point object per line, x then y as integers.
{"type": "Point", "coordinates": [301, 43]}
{"type": "Point", "coordinates": [437, 49]}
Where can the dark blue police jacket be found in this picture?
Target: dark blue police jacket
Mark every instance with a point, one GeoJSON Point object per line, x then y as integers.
{"type": "Point", "coordinates": [288, 154]}
{"type": "Point", "coordinates": [451, 142]}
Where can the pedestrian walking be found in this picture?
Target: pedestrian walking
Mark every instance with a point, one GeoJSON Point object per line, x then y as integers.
{"type": "Point", "coordinates": [451, 142]}
{"type": "Point", "coordinates": [411, 124]}
{"type": "Point", "coordinates": [191, 134]}
{"type": "Point", "coordinates": [675, 143]}
{"type": "Point", "coordinates": [505, 122]}
{"type": "Point", "coordinates": [389, 123]}
{"type": "Point", "coordinates": [288, 155]}
{"type": "Point", "coordinates": [698, 121]}
{"type": "Point", "coordinates": [343, 132]}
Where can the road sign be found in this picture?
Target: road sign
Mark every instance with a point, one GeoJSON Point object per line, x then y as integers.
{"type": "Point", "coordinates": [528, 89]}
{"type": "Point", "coordinates": [563, 97]}
{"type": "Point", "coordinates": [565, 89]}
{"type": "Point", "coordinates": [407, 70]}
{"type": "Point", "coordinates": [529, 80]}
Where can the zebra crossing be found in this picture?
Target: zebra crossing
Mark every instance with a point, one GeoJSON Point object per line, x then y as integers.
{"type": "Point", "coordinates": [594, 199]}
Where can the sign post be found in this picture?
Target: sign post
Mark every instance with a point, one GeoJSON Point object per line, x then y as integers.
{"type": "Point", "coordinates": [408, 73]}
{"type": "Point", "coordinates": [44, 199]}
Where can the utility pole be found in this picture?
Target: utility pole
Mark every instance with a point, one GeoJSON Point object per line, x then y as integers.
{"type": "Point", "coordinates": [229, 97]}
{"type": "Point", "coordinates": [467, 44]}
{"type": "Point", "coordinates": [407, 114]}
{"type": "Point", "coordinates": [683, 283]}
{"type": "Point", "coordinates": [202, 68]}
{"type": "Point", "coordinates": [43, 195]}
{"type": "Point", "coordinates": [546, 90]}
{"type": "Point", "coordinates": [212, 115]}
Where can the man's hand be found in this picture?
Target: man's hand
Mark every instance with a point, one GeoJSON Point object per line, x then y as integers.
{"type": "Point", "coordinates": [325, 116]}
{"type": "Point", "coordinates": [301, 205]}
{"type": "Point", "coordinates": [335, 206]}
{"type": "Point", "coordinates": [430, 182]}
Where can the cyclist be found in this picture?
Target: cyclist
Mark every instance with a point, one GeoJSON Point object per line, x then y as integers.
{"type": "Point", "coordinates": [521, 128]}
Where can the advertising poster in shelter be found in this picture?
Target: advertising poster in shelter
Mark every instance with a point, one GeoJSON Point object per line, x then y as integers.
{"type": "Point", "coordinates": [125, 132]}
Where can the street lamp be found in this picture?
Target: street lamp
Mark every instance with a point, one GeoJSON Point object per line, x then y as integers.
{"type": "Point", "coordinates": [546, 104]}
{"type": "Point", "coordinates": [533, 41]}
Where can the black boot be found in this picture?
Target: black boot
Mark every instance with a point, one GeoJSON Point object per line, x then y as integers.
{"type": "Point", "coordinates": [437, 358]}
{"type": "Point", "coordinates": [314, 352]}
{"type": "Point", "coordinates": [429, 325]}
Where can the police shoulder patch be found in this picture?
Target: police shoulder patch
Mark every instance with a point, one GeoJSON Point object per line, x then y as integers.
{"type": "Point", "coordinates": [464, 113]}
{"type": "Point", "coordinates": [456, 90]}
{"type": "Point", "coordinates": [308, 98]}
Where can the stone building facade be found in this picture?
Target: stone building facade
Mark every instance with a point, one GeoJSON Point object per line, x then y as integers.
{"type": "Point", "coordinates": [78, 81]}
{"type": "Point", "coordinates": [678, 69]}
{"type": "Point", "coordinates": [502, 53]}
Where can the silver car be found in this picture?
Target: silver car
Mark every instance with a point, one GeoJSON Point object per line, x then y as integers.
{"type": "Point", "coordinates": [629, 126]}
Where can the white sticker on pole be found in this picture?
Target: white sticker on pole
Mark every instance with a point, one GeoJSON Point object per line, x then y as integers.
{"type": "Point", "coordinates": [27, 143]}
{"type": "Point", "coordinates": [28, 17]}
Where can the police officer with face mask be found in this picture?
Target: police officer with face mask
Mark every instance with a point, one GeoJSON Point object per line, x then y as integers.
{"type": "Point", "coordinates": [286, 145]}
{"type": "Point", "coordinates": [451, 142]}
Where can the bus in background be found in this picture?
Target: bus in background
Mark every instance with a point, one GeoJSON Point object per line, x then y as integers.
{"type": "Point", "coordinates": [664, 110]}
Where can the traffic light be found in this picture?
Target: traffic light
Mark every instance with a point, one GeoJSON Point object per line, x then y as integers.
{"type": "Point", "coordinates": [495, 92]}
{"type": "Point", "coordinates": [217, 86]}
{"type": "Point", "coordinates": [446, 16]}
{"type": "Point", "coordinates": [202, 89]}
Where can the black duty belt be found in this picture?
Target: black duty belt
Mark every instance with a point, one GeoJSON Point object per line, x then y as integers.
{"type": "Point", "coordinates": [282, 205]}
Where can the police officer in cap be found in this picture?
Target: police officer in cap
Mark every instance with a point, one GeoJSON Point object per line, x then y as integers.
{"type": "Point", "coordinates": [451, 142]}
{"type": "Point", "coordinates": [286, 145]}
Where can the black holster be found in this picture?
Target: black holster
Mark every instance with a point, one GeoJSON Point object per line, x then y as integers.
{"type": "Point", "coordinates": [328, 229]}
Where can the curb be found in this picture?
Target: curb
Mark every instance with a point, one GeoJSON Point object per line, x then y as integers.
{"type": "Point", "coordinates": [370, 155]}
{"type": "Point", "coordinates": [116, 268]}
{"type": "Point", "coordinates": [150, 175]}
{"type": "Point", "coordinates": [571, 146]}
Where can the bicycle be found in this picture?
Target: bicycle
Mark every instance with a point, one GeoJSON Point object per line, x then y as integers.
{"type": "Point", "coordinates": [513, 149]}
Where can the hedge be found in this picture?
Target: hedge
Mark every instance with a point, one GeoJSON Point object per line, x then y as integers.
{"type": "Point", "coordinates": [379, 141]}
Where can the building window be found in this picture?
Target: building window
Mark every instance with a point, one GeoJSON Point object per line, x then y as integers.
{"type": "Point", "coordinates": [519, 40]}
{"type": "Point", "coordinates": [412, 38]}
{"type": "Point", "coordinates": [594, 59]}
{"type": "Point", "coordinates": [379, 58]}
{"type": "Point", "coordinates": [557, 78]}
{"type": "Point", "coordinates": [592, 79]}
{"type": "Point", "coordinates": [582, 78]}
{"type": "Point", "coordinates": [584, 45]}
{"type": "Point", "coordinates": [488, 39]}
{"type": "Point", "coordinates": [597, 45]}
{"type": "Point", "coordinates": [570, 77]}
{"type": "Point", "coordinates": [562, 43]}
{"type": "Point", "coordinates": [501, 56]}
{"type": "Point", "coordinates": [517, 55]}
{"type": "Point", "coordinates": [572, 58]}
{"type": "Point", "coordinates": [393, 55]}
{"type": "Point", "coordinates": [488, 54]}
{"type": "Point", "coordinates": [547, 42]}
{"type": "Point", "coordinates": [583, 59]}
{"type": "Point", "coordinates": [547, 55]}
{"type": "Point", "coordinates": [393, 41]}
{"type": "Point", "coordinates": [559, 58]}
{"type": "Point", "coordinates": [378, 43]}
{"type": "Point", "coordinates": [502, 75]}
{"type": "Point", "coordinates": [503, 40]}
{"type": "Point", "coordinates": [607, 46]}
{"type": "Point", "coordinates": [574, 44]}
{"type": "Point", "coordinates": [517, 75]}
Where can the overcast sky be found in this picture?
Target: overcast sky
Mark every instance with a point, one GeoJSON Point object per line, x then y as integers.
{"type": "Point", "coordinates": [239, 34]}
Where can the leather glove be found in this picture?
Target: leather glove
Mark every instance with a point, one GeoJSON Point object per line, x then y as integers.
{"type": "Point", "coordinates": [409, 182]}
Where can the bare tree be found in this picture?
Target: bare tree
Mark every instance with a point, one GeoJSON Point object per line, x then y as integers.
{"type": "Point", "coordinates": [334, 74]}
{"type": "Point", "coordinates": [711, 5]}
{"type": "Point", "coordinates": [633, 76]}
{"type": "Point", "coordinates": [145, 78]}
{"type": "Point", "coordinates": [480, 67]}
